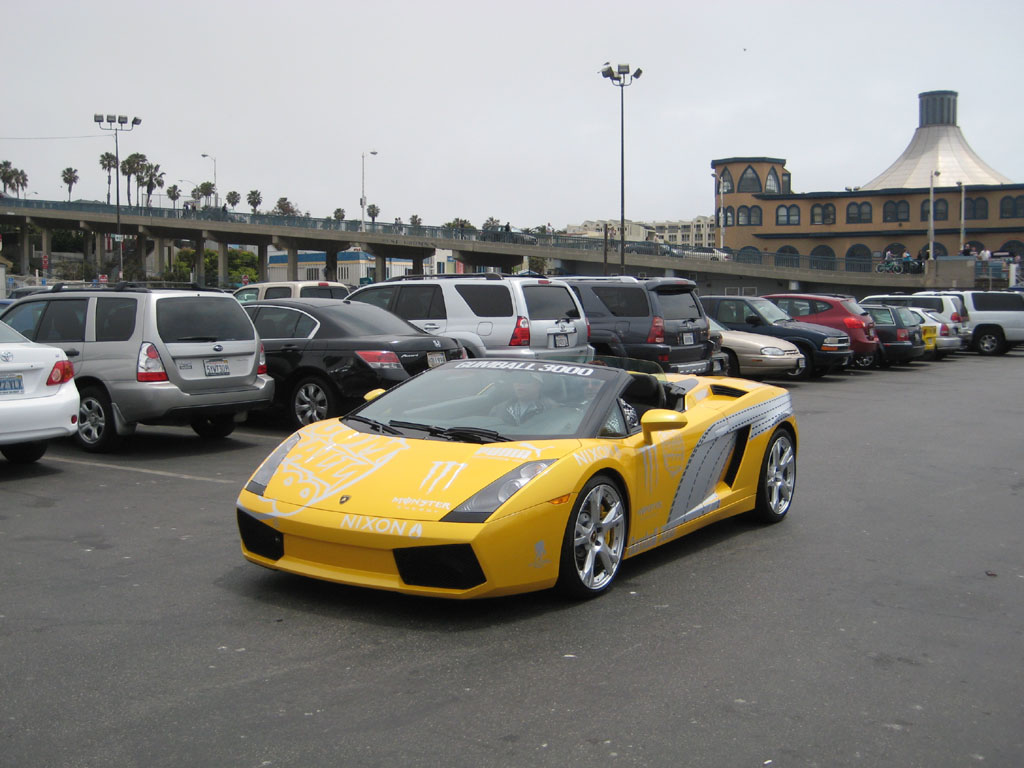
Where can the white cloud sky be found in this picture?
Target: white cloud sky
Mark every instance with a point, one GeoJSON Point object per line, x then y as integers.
{"type": "Point", "coordinates": [484, 109]}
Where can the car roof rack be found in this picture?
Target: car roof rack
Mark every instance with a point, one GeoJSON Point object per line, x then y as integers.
{"type": "Point", "coordinates": [470, 275]}
{"type": "Point", "coordinates": [605, 278]}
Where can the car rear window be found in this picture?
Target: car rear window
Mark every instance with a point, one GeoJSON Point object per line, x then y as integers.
{"type": "Point", "coordinates": [932, 302]}
{"type": "Point", "coordinates": [623, 300]}
{"type": "Point", "coordinates": [999, 302]}
{"type": "Point", "coordinates": [678, 305]}
{"type": "Point", "coordinates": [201, 318]}
{"type": "Point", "coordinates": [549, 302]}
{"type": "Point", "coordinates": [852, 306]}
{"type": "Point", "coordinates": [278, 292]}
{"type": "Point", "coordinates": [323, 292]}
{"type": "Point", "coordinates": [882, 315]}
{"type": "Point", "coordinates": [487, 300]}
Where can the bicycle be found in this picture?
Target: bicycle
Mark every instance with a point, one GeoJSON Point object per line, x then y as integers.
{"type": "Point", "coordinates": [896, 267]}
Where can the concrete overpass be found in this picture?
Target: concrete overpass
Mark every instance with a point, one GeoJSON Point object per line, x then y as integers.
{"type": "Point", "coordinates": [563, 253]}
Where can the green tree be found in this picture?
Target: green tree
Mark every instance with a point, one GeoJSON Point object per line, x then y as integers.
{"type": "Point", "coordinates": [70, 177]}
{"type": "Point", "coordinates": [254, 199]}
{"type": "Point", "coordinates": [458, 223]}
{"type": "Point", "coordinates": [415, 221]}
{"type": "Point", "coordinates": [173, 193]}
{"type": "Point", "coordinates": [19, 181]}
{"type": "Point", "coordinates": [108, 162]}
{"type": "Point", "coordinates": [132, 166]}
{"type": "Point", "coordinates": [196, 194]}
{"type": "Point", "coordinates": [207, 189]}
{"type": "Point", "coordinates": [6, 174]}
{"type": "Point", "coordinates": [153, 178]}
{"type": "Point", "coordinates": [285, 207]}
{"type": "Point", "coordinates": [339, 214]}
{"type": "Point", "coordinates": [492, 223]}
{"type": "Point", "coordinates": [233, 199]}
{"type": "Point", "coordinates": [373, 212]}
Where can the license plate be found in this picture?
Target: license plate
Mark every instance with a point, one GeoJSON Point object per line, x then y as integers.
{"type": "Point", "coordinates": [687, 339]}
{"type": "Point", "coordinates": [434, 359]}
{"type": "Point", "coordinates": [12, 384]}
{"type": "Point", "coordinates": [217, 367]}
{"type": "Point", "coordinates": [561, 340]}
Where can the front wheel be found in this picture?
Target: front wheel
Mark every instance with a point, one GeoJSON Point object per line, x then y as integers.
{"type": "Point", "coordinates": [214, 427]}
{"type": "Point", "coordinates": [24, 453]}
{"type": "Point", "coordinates": [777, 480]}
{"type": "Point", "coordinates": [864, 361]}
{"type": "Point", "coordinates": [595, 538]}
{"type": "Point", "coordinates": [804, 373]}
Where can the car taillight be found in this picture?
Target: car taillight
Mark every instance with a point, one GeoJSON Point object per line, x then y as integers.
{"type": "Point", "coordinates": [588, 329]}
{"type": "Point", "coordinates": [379, 358]}
{"type": "Point", "coordinates": [902, 334]}
{"type": "Point", "coordinates": [150, 367]}
{"type": "Point", "coordinates": [262, 367]}
{"type": "Point", "coordinates": [854, 322]}
{"type": "Point", "coordinates": [944, 330]}
{"type": "Point", "coordinates": [657, 334]}
{"type": "Point", "coordinates": [521, 333]}
{"type": "Point", "coordinates": [955, 317]}
{"type": "Point", "coordinates": [62, 371]}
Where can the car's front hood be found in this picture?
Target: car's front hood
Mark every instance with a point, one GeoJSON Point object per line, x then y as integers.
{"type": "Point", "coordinates": [338, 469]}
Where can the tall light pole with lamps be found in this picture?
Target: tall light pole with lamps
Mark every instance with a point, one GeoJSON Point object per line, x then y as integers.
{"type": "Point", "coordinates": [720, 219]}
{"type": "Point", "coordinates": [621, 77]}
{"type": "Point", "coordinates": [216, 192]}
{"type": "Point", "coordinates": [117, 124]}
{"type": "Point", "coordinates": [362, 199]}
{"type": "Point", "coordinates": [931, 214]}
{"type": "Point", "coordinates": [963, 210]}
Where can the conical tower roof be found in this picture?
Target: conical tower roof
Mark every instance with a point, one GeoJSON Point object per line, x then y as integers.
{"type": "Point", "coordinates": [938, 145]}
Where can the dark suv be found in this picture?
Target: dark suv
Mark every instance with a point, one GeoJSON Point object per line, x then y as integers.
{"type": "Point", "coordinates": [825, 349]}
{"type": "Point", "coordinates": [837, 311]}
{"type": "Point", "coordinates": [660, 319]}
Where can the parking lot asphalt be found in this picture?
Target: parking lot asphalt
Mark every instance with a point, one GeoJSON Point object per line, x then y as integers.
{"type": "Point", "coordinates": [881, 624]}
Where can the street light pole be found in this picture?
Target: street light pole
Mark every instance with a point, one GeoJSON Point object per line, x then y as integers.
{"type": "Point", "coordinates": [117, 124]}
{"type": "Point", "coordinates": [720, 218]}
{"type": "Point", "coordinates": [216, 192]}
{"type": "Point", "coordinates": [362, 199]}
{"type": "Point", "coordinates": [931, 214]}
{"type": "Point", "coordinates": [963, 210]}
{"type": "Point", "coordinates": [621, 77]}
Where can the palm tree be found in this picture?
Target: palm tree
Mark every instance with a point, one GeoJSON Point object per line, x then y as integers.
{"type": "Point", "coordinates": [285, 207]}
{"type": "Point", "coordinates": [207, 189]}
{"type": "Point", "coordinates": [339, 214]}
{"type": "Point", "coordinates": [108, 162]}
{"type": "Point", "coordinates": [153, 178]}
{"type": "Point", "coordinates": [6, 171]}
{"type": "Point", "coordinates": [70, 177]}
{"type": "Point", "coordinates": [173, 193]}
{"type": "Point", "coordinates": [233, 199]}
{"type": "Point", "coordinates": [415, 221]}
{"type": "Point", "coordinates": [458, 223]}
{"type": "Point", "coordinates": [131, 166]}
{"type": "Point", "coordinates": [196, 194]}
{"type": "Point", "coordinates": [254, 199]}
{"type": "Point", "coordinates": [19, 181]}
{"type": "Point", "coordinates": [373, 212]}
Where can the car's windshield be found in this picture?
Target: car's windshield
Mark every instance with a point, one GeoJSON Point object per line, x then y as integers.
{"type": "Point", "coordinates": [515, 400]}
{"type": "Point", "coordinates": [769, 311]}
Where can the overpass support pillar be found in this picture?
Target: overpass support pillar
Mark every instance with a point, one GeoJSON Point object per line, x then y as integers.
{"type": "Point", "coordinates": [26, 249]}
{"type": "Point", "coordinates": [293, 262]}
{"type": "Point", "coordinates": [99, 252]}
{"type": "Point", "coordinates": [159, 256]}
{"type": "Point", "coordinates": [222, 264]}
{"type": "Point", "coordinates": [380, 269]}
{"type": "Point", "coordinates": [331, 263]}
{"type": "Point", "coordinates": [199, 266]}
{"type": "Point", "coordinates": [139, 266]}
{"type": "Point", "coordinates": [261, 261]}
{"type": "Point", "coordinates": [47, 245]}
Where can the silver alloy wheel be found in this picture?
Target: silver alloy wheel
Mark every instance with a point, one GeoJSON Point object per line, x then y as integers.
{"type": "Point", "coordinates": [311, 403]}
{"type": "Point", "coordinates": [989, 343]}
{"type": "Point", "coordinates": [780, 474]}
{"type": "Point", "coordinates": [92, 420]}
{"type": "Point", "coordinates": [599, 536]}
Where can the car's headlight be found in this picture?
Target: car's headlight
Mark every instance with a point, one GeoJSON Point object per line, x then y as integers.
{"type": "Point", "coordinates": [481, 505]}
{"type": "Point", "coordinates": [259, 481]}
{"type": "Point", "coordinates": [772, 352]}
{"type": "Point", "coordinates": [835, 341]}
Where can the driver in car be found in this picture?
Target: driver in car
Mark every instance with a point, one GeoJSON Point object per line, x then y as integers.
{"type": "Point", "coordinates": [526, 402]}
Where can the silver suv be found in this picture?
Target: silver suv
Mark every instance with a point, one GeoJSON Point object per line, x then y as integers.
{"type": "Point", "coordinates": [997, 318]}
{"type": "Point", "coordinates": [150, 356]}
{"type": "Point", "coordinates": [492, 315]}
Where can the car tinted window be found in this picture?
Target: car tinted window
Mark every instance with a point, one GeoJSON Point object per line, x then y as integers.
{"type": "Point", "coordinates": [378, 297]}
{"type": "Point", "coordinates": [819, 306]}
{"type": "Point", "coordinates": [881, 315]}
{"type": "Point", "coordinates": [24, 318]}
{"type": "Point", "coordinates": [487, 300]}
{"type": "Point", "coordinates": [623, 300]}
{"type": "Point", "coordinates": [549, 302]}
{"type": "Point", "coordinates": [115, 319]}
{"type": "Point", "coordinates": [366, 320]}
{"type": "Point", "coordinates": [998, 302]}
{"type": "Point", "coordinates": [906, 316]}
{"type": "Point", "coordinates": [247, 294]}
{"type": "Point", "coordinates": [794, 307]}
{"type": "Point", "coordinates": [420, 302]}
{"type": "Point", "coordinates": [278, 292]}
{"type": "Point", "coordinates": [731, 311]}
{"type": "Point", "coordinates": [276, 322]}
{"type": "Point", "coordinates": [323, 292]}
{"type": "Point", "coordinates": [195, 318]}
{"type": "Point", "coordinates": [932, 302]}
{"type": "Point", "coordinates": [678, 305]}
{"type": "Point", "coordinates": [63, 321]}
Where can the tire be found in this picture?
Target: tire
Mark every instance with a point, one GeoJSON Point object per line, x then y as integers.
{"type": "Point", "coordinates": [732, 368]}
{"type": "Point", "coordinates": [312, 399]}
{"type": "Point", "coordinates": [24, 453]}
{"type": "Point", "coordinates": [879, 267]}
{"type": "Point", "coordinates": [97, 432]}
{"type": "Point", "coordinates": [897, 268]}
{"type": "Point", "coordinates": [863, 362]}
{"type": "Point", "coordinates": [591, 553]}
{"type": "Point", "coordinates": [214, 427]}
{"type": "Point", "coordinates": [989, 341]}
{"type": "Point", "coordinates": [777, 481]}
{"type": "Point", "coordinates": [807, 371]}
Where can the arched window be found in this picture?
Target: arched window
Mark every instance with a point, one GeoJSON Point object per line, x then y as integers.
{"type": "Point", "coordinates": [903, 211]}
{"type": "Point", "coordinates": [822, 257]}
{"type": "Point", "coordinates": [924, 209]}
{"type": "Point", "coordinates": [889, 211]}
{"type": "Point", "coordinates": [771, 182]}
{"type": "Point", "coordinates": [1018, 207]}
{"type": "Point", "coordinates": [830, 213]}
{"type": "Point", "coordinates": [749, 181]}
{"type": "Point", "coordinates": [896, 249]}
{"type": "Point", "coordinates": [1014, 247]}
{"type": "Point", "coordinates": [787, 256]}
{"type": "Point", "coordinates": [968, 208]}
{"type": "Point", "coordinates": [730, 217]}
{"type": "Point", "coordinates": [743, 216]}
{"type": "Point", "coordinates": [1006, 208]}
{"type": "Point", "coordinates": [975, 208]}
{"type": "Point", "coordinates": [794, 214]}
{"type": "Point", "coordinates": [817, 214]}
{"type": "Point", "coordinates": [726, 182]}
{"type": "Point", "coordinates": [781, 215]}
{"type": "Point", "coordinates": [865, 213]}
{"type": "Point", "coordinates": [788, 249]}
{"type": "Point", "coordinates": [755, 215]}
{"type": "Point", "coordinates": [858, 258]}
{"type": "Point", "coordinates": [853, 213]}
{"type": "Point", "coordinates": [941, 210]}
{"type": "Point", "coordinates": [940, 249]}
{"type": "Point", "coordinates": [748, 255]}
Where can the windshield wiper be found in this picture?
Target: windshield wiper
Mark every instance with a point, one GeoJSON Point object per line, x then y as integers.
{"type": "Point", "coordinates": [375, 424]}
{"type": "Point", "coordinates": [484, 435]}
{"type": "Point", "coordinates": [197, 338]}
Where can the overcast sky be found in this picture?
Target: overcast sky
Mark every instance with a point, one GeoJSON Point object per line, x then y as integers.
{"type": "Point", "coordinates": [480, 109]}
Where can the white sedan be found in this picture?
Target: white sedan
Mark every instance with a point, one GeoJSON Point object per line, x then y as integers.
{"type": "Point", "coordinates": [38, 396]}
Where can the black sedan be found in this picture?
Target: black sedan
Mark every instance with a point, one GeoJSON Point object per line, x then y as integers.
{"type": "Point", "coordinates": [325, 354]}
{"type": "Point", "coordinates": [899, 333]}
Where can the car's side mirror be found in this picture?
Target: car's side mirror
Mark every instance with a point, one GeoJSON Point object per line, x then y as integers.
{"type": "Point", "coordinates": [753, 320]}
{"type": "Point", "coordinates": [660, 420]}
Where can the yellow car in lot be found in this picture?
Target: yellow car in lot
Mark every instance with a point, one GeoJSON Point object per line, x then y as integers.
{"type": "Point", "coordinates": [489, 477]}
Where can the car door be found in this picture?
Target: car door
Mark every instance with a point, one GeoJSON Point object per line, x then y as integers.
{"type": "Point", "coordinates": [60, 323]}
{"type": "Point", "coordinates": [285, 333]}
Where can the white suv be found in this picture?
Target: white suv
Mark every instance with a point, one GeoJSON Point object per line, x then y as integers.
{"type": "Point", "coordinates": [949, 308]}
{"type": "Point", "coordinates": [492, 315]}
{"type": "Point", "coordinates": [997, 318]}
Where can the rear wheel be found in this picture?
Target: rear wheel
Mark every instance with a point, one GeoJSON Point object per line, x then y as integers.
{"type": "Point", "coordinates": [97, 432]}
{"type": "Point", "coordinates": [214, 427]}
{"type": "Point", "coordinates": [24, 453]}
{"type": "Point", "coordinates": [989, 341]}
{"type": "Point", "coordinates": [595, 538]}
{"type": "Point", "coordinates": [777, 480]}
{"type": "Point", "coordinates": [313, 399]}
{"type": "Point", "coordinates": [732, 367]}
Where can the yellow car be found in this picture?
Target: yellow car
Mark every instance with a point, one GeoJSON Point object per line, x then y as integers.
{"type": "Point", "coordinates": [490, 477]}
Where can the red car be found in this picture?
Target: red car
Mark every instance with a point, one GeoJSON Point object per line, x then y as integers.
{"type": "Point", "coordinates": [835, 311]}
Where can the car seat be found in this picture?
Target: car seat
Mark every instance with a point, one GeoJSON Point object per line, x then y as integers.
{"type": "Point", "coordinates": [644, 393]}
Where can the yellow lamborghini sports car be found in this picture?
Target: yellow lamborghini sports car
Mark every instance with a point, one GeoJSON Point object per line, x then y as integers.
{"type": "Point", "coordinates": [489, 477]}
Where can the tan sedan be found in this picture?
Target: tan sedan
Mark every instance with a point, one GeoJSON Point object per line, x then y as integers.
{"type": "Point", "coordinates": [754, 355]}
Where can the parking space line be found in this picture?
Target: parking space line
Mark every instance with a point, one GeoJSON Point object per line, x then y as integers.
{"type": "Point", "coordinates": [176, 475]}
